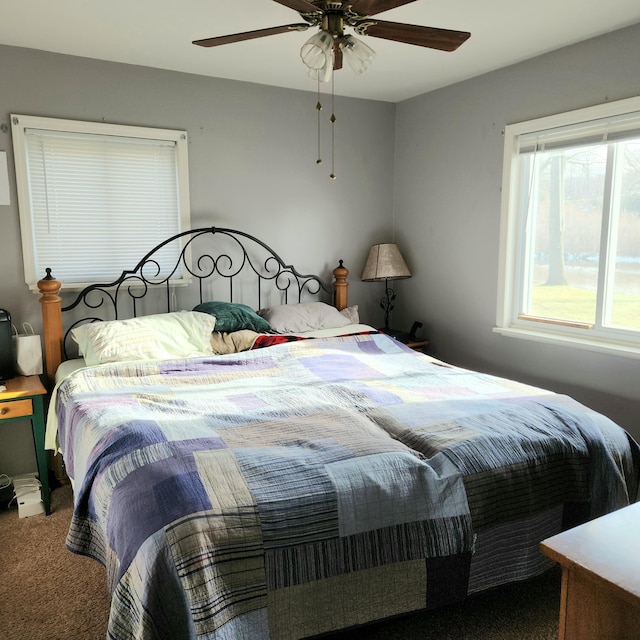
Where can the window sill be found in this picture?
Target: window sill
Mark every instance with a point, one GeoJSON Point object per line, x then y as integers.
{"type": "Point", "coordinates": [623, 349]}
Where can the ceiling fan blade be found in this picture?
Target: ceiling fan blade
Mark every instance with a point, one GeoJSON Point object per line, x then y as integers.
{"type": "Point", "coordinates": [371, 7]}
{"type": "Point", "coordinates": [301, 6]}
{"type": "Point", "coordinates": [249, 35]}
{"type": "Point", "coordinates": [443, 39]}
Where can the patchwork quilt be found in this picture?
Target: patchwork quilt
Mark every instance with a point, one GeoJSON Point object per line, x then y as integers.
{"type": "Point", "coordinates": [316, 485]}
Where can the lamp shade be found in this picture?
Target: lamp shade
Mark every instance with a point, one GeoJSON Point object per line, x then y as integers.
{"type": "Point", "coordinates": [385, 262]}
{"type": "Point", "coordinates": [316, 52]}
{"type": "Point", "coordinates": [358, 54]}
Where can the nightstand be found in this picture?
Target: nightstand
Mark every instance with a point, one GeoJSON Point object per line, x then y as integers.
{"type": "Point", "coordinates": [417, 345]}
{"type": "Point", "coordinates": [23, 399]}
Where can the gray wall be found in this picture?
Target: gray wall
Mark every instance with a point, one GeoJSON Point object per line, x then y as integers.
{"type": "Point", "coordinates": [428, 168]}
{"type": "Point", "coordinates": [252, 166]}
{"type": "Point", "coordinates": [448, 170]}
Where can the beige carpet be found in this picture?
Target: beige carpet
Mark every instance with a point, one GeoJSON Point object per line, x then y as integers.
{"type": "Point", "coordinates": [48, 593]}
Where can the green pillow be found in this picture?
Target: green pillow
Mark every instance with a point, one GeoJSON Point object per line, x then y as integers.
{"type": "Point", "coordinates": [232, 316]}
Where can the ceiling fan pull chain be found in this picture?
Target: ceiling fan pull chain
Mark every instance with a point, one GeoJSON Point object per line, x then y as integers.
{"type": "Point", "coordinates": [332, 175]}
{"type": "Point", "coordinates": [319, 109]}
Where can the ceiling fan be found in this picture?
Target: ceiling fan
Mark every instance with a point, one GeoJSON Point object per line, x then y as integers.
{"type": "Point", "coordinates": [324, 51]}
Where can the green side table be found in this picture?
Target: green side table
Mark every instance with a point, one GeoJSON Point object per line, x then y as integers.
{"type": "Point", "coordinates": [23, 399]}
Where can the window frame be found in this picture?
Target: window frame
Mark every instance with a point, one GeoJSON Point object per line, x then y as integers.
{"type": "Point", "coordinates": [511, 282]}
{"type": "Point", "coordinates": [20, 123]}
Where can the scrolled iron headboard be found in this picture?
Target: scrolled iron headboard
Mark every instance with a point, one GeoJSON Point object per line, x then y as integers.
{"type": "Point", "coordinates": [243, 263]}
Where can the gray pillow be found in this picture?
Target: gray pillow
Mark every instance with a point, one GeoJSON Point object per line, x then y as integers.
{"type": "Point", "coordinates": [306, 316]}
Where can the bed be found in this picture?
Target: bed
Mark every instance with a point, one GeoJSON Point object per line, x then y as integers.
{"type": "Point", "coordinates": [301, 479]}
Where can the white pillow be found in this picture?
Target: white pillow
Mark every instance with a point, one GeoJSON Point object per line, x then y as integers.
{"type": "Point", "coordinates": [351, 313]}
{"type": "Point", "coordinates": [306, 316]}
{"type": "Point", "coordinates": [180, 334]}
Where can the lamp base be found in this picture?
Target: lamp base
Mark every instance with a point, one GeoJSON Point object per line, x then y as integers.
{"type": "Point", "coordinates": [386, 304]}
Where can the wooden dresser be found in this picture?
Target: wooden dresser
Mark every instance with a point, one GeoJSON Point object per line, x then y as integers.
{"type": "Point", "coordinates": [600, 598]}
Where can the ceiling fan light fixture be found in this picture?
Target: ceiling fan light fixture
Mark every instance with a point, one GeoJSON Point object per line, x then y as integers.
{"type": "Point", "coordinates": [325, 73]}
{"type": "Point", "coordinates": [358, 54]}
{"type": "Point", "coordinates": [324, 52]}
{"type": "Point", "coordinates": [317, 51]}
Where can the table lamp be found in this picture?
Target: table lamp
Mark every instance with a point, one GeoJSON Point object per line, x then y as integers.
{"type": "Point", "coordinates": [385, 262]}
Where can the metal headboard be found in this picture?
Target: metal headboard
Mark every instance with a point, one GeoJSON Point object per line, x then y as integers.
{"type": "Point", "coordinates": [236, 258]}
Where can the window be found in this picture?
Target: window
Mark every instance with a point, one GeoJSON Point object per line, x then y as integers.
{"type": "Point", "coordinates": [570, 238]}
{"type": "Point", "coordinates": [94, 197]}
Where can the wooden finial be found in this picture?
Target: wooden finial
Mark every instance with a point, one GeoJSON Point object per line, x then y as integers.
{"type": "Point", "coordinates": [49, 288]}
{"type": "Point", "coordinates": [340, 286]}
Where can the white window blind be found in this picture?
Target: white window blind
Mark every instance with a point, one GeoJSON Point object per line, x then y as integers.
{"type": "Point", "coordinates": [94, 197]}
{"type": "Point", "coordinates": [590, 132]}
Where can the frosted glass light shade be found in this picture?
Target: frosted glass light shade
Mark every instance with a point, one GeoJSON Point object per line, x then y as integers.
{"type": "Point", "coordinates": [358, 54]}
{"type": "Point", "coordinates": [316, 52]}
{"type": "Point", "coordinates": [324, 73]}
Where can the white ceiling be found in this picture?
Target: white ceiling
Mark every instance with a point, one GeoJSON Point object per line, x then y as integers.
{"type": "Point", "coordinates": [158, 33]}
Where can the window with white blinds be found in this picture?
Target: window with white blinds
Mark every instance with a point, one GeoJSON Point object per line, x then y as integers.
{"type": "Point", "coordinates": [94, 197]}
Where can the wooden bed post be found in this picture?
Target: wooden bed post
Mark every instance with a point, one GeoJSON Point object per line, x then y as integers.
{"type": "Point", "coordinates": [51, 323]}
{"type": "Point", "coordinates": [340, 286]}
